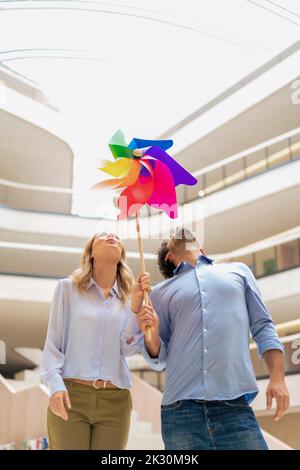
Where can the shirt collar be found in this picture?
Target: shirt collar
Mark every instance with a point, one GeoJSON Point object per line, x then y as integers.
{"type": "Point", "coordinates": [114, 289]}
{"type": "Point", "coordinates": [184, 266]}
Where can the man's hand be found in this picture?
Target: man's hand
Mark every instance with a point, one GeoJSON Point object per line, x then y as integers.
{"type": "Point", "coordinates": [148, 317]}
{"type": "Point", "coordinates": [277, 388]}
{"type": "Point", "coordinates": [142, 284]}
{"type": "Point", "coordinates": [57, 404]}
{"type": "Point", "coordinates": [279, 391]}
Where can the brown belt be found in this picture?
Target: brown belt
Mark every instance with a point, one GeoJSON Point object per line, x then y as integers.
{"type": "Point", "coordinates": [95, 383]}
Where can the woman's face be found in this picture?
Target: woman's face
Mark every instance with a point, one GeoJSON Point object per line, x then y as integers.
{"type": "Point", "coordinates": [107, 245]}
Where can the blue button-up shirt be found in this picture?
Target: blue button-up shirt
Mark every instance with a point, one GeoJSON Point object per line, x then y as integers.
{"type": "Point", "coordinates": [206, 315]}
{"type": "Point", "coordinates": [89, 336]}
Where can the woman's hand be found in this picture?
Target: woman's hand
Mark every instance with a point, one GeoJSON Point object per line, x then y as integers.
{"type": "Point", "coordinates": [142, 284]}
{"type": "Point", "coordinates": [57, 404]}
{"type": "Point", "coordinates": [147, 317]}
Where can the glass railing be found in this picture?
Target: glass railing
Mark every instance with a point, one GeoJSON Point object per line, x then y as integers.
{"type": "Point", "coordinates": [152, 377]}
{"type": "Point", "coordinates": [246, 165]}
{"type": "Point", "coordinates": [272, 260]}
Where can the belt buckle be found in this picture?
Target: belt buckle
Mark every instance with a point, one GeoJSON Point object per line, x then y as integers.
{"type": "Point", "coordinates": [97, 388]}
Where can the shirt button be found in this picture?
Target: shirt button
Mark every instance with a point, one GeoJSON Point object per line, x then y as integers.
{"type": "Point", "coordinates": [205, 350]}
{"type": "Point", "coordinates": [205, 371]}
{"type": "Point", "coordinates": [205, 330]}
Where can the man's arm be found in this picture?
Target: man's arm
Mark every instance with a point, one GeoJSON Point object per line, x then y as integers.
{"type": "Point", "coordinates": [277, 388]}
{"type": "Point", "coordinates": [153, 346]}
{"type": "Point", "coordinates": [269, 346]}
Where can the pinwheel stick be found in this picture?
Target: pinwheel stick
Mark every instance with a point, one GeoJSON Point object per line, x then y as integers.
{"type": "Point", "coordinates": [140, 245]}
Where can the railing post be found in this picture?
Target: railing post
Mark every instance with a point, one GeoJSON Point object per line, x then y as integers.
{"type": "Point", "coordinates": [254, 264]}
{"type": "Point", "coordinates": [276, 258]}
{"type": "Point", "coordinates": [184, 194]}
{"type": "Point", "coordinates": [267, 158]}
{"type": "Point", "coordinates": [245, 167]}
{"type": "Point", "coordinates": [158, 381]}
{"type": "Point", "coordinates": [290, 148]}
{"type": "Point", "coordinates": [224, 175]}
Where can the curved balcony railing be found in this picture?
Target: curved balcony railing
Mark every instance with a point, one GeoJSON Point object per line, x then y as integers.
{"type": "Point", "coordinates": [36, 197]}
{"type": "Point", "coordinates": [251, 162]}
{"type": "Point", "coordinates": [272, 260]}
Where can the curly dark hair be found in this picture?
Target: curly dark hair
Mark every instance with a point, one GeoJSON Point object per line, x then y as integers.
{"type": "Point", "coordinates": [166, 267]}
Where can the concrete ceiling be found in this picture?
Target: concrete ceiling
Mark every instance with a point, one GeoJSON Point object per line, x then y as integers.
{"type": "Point", "coordinates": [285, 309]}
{"type": "Point", "coordinates": [267, 119]}
{"type": "Point", "coordinates": [31, 155]}
{"type": "Point", "coordinates": [251, 222]}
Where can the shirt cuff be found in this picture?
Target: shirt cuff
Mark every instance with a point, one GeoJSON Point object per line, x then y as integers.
{"type": "Point", "coordinates": [269, 344]}
{"type": "Point", "coordinates": [154, 360]}
{"type": "Point", "coordinates": [55, 384]}
{"type": "Point", "coordinates": [132, 327]}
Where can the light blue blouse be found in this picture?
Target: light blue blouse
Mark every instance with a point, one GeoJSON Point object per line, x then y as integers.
{"type": "Point", "coordinates": [89, 336]}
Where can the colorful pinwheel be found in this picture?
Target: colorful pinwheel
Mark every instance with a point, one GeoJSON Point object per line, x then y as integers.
{"type": "Point", "coordinates": [147, 172]}
{"type": "Point", "coordinates": [148, 175]}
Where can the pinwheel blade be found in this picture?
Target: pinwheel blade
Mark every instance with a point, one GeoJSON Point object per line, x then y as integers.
{"type": "Point", "coordinates": [134, 197]}
{"type": "Point", "coordinates": [117, 168]}
{"type": "Point", "coordinates": [129, 179]}
{"type": "Point", "coordinates": [119, 151]}
{"type": "Point", "coordinates": [106, 184]}
{"type": "Point", "coordinates": [180, 174]}
{"type": "Point", "coordinates": [118, 139]}
{"type": "Point", "coordinates": [132, 176]}
{"type": "Point", "coordinates": [118, 146]}
{"type": "Point", "coordinates": [163, 196]}
{"type": "Point", "coordinates": [143, 143]}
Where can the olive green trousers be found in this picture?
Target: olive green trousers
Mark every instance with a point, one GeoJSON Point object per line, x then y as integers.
{"type": "Point", "coordinates": [99, 419]}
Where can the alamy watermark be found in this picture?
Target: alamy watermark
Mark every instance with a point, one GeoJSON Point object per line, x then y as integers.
{"type": "Point", "coordinates": [295, 97]}
{"type": "Point", "coordinates": [3, 93]}
{"type": "Point", "coordinates": [158, 225]}
{"type": "Point", "coordinates": [295, 357]}
{"type": "Point", "coordinates": [2, 352]}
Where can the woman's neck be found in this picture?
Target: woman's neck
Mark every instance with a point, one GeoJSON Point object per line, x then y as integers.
{"type": "Point", "coordinates": [105, 278]}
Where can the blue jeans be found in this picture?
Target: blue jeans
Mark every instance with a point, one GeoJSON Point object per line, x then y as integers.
{"type": "Point", "coordinates": [208, 425]}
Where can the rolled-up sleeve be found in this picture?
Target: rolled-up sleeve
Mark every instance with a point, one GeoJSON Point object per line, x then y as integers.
{"type": "Point", "coordinates": [156, 363]}
{"type": "Point", "coordinates": [262, 326]}
{"type": "Point", "coordinates": [132, 337]}
{"type": "Point", "coordinates": [53, 357]}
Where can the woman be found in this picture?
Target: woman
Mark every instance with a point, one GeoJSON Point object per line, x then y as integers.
{"type": "Point", "coordinates": [91, 330]}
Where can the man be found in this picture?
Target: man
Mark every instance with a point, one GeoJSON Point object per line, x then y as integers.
{"type": "Point", "coordinates": [201, 319]}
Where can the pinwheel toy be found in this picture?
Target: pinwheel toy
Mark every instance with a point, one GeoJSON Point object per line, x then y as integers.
{"type": "Point", "coordinates": [147, 174]}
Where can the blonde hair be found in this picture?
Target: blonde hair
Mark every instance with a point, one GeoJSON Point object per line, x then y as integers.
{"type": "Point", "coordinates": [82, 275]}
